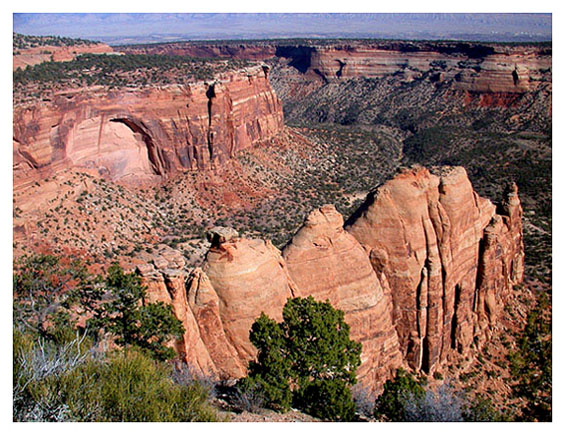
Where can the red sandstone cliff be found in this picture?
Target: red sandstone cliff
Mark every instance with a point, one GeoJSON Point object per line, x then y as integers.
{"type": "Point", "coordinates": [429, 234]}
{"type": "Point", "coordinates": [422, 270]}
{"type": "Point", "coordinates": [473, 67]}
{"type": "Point", "coordinates": [481, 69]}
{"type": "Point", "coordinates": [146, 133]}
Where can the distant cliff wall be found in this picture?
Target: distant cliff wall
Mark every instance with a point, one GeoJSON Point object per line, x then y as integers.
{"type": "Point", "coordinates": [473, 67]}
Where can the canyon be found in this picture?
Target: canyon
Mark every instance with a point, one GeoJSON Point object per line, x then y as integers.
{"type": "Point", "coordinates": [419, 260]}
{"type": "Point", "coordinates": [152, 133]}
{"type": "Point", "coordinates": [202, 125]}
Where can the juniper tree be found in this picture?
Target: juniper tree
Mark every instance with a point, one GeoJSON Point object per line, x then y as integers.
{"type": "Point", "coordinates": [392, 402]}
{"type": "Point", "coordinates": [131, 321]}
{"type": "Point", "coordinates": [308, 358]}
{"type": "Point", "coordinates": [272, 370]}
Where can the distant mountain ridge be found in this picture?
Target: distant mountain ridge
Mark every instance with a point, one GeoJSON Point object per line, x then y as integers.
{"type": "Point", "coordinates": [144, 28]}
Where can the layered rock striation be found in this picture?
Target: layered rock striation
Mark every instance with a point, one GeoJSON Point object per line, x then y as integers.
{"type": "Point", "coordinates": [469, 67]}
{"type": "Point", "coordinates": [196, 304]}
{"type": "Point", "coordinates": [421, 270]}
{"type": "Point", "coordinates": [146, 134]}
{"type": "Point", "coordinates": [473, 67]}
{"type": "Point", "coordinates": [249, 277]}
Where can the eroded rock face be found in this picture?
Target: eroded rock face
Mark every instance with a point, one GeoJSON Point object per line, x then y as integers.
{"type": "Point", "coordinates": [501, 264]}
{"type": "Point", "coordinates": [205, 305]}
{"type": "Point", "coordinates": [477, 68]}
{"type": "Point", "coordinates": [146, 133]}
{"type": "Point", "coordinates": [217, 304]}
{"type": "Point", "coordinates": [422, 270]}
{"type": "Point", "coordinates": [250, 277]}
{"type": "Point", "coordinates": [195, 303]}
{"type": "Point", "coordinates": [165, 279]}
{"type": "Point", "coordinates": [328, 263]}
{"type": "Point", "coordinates": [425, 232]}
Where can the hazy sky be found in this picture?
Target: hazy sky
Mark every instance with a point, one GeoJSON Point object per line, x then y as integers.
{"type": "Point", "coordinates": [114, 28]}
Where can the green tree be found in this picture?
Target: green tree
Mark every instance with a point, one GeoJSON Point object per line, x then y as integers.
{"type": "Point", "coordinates": [131, 321]}
{"type": "Point", "coordinates": [318, 342]}
{"type": "Point", "coordinates": [271, 372]}
{"type": "Point", "coordinates": [531, 363]}
{"type": "Point", "coordinates": [308, 358]}
{"type": "Point", "coordinates": [157, 324]}
{"type": "Point", "coordinates": [328, 399]}
{"type": "Point", "coordinates": [391, 403]}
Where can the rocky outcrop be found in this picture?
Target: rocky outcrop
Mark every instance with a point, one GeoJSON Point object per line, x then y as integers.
{"type": "Point", "coordinates": [146, 134]}
{"type": "Point", "coordinates": [328, 263]}
{"type": "Point", "coordinates": [218, 304]}
{"type": "Point", "coordinates": [205, 305]}
{"type": "Point", "coordinates": [44, 53]}
{"type": "Point", "coordinates": [250, 277]}
{"type": "Point", "coordinates": [421, 270]}
{"type": "Point", "coordinates": [501, 264]}
{"type": "Point", "coordinates": [164, 277]}
{"type": "Point", "coordinates": [195, 303]}
{"type": "Point", "coordinates": [428, 233]}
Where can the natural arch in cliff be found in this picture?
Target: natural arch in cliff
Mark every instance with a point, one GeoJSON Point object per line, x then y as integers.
{"type": "Point", "coordinates": [118, 147]}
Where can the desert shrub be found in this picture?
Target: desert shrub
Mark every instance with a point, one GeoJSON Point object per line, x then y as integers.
{"type": "Point", "coordinates": [391, 403]}
{"type": "Point", "coordinates": [308, 359]}
{"type": "Point", "coordinates": [47, 379]}
{"type": "Point", "coordinates": [45, 288]}
{"type": "Point", "coordinates": [443, 404]}
{"type": "Point", "coordinates": [66, 382]}
{"type": "Point", "coordinates": [364, 400]}
{"type": "Point", "coordinates": [426, 144]}
{"type": "Point", "coordinates": [407, 399]}
{"type": "Point", "coordinates": [251, 395]}
{"type": "Point", "coordinates": [185, 374]}
{"type": "Point", "coordinates": [482, 409]}
{"type": "Point", "coordinates": [531, 363]}
{"type": "Point", "coordinates": [132, 387]}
